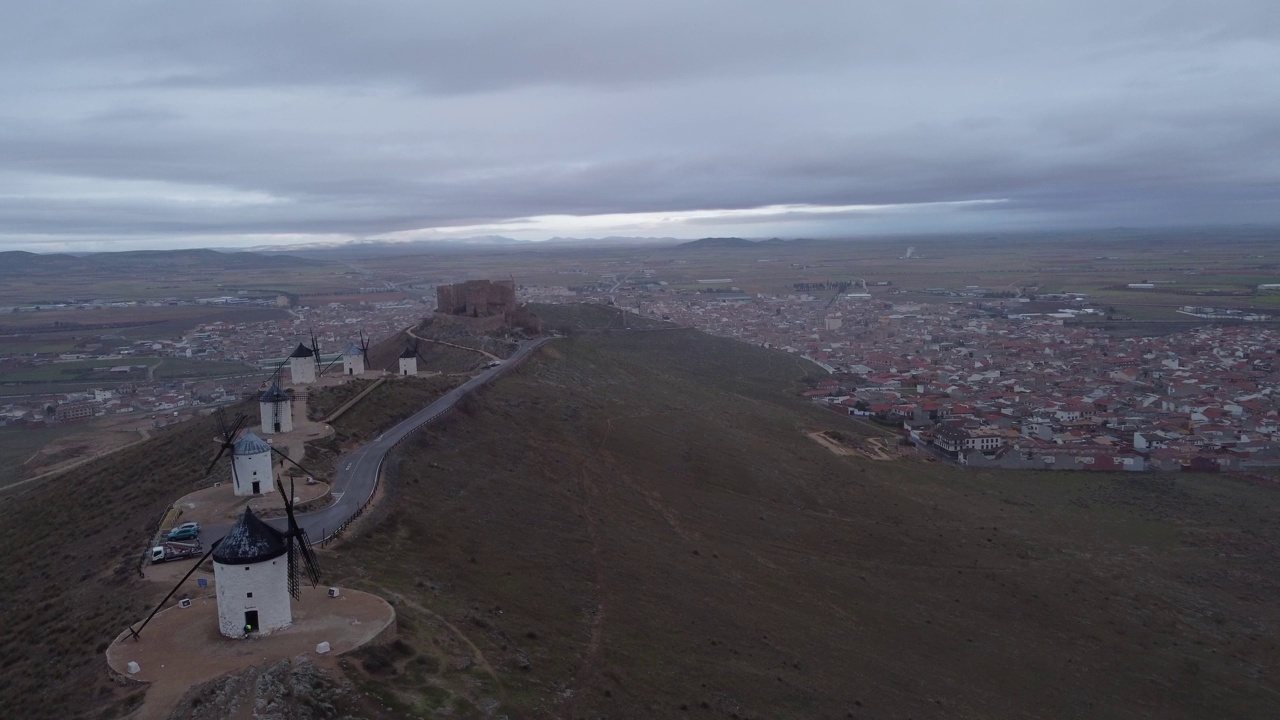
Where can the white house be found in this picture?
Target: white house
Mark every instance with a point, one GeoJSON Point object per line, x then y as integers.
{"type": "Point", "coordinates": [302, 365]}
{"type": "Point", "coordinates": [251, 573]}
{"type": "Point", "coordinates": [409, 362]}
{"type": "Point", "coordinates": [353, 361]}
{"type": "Point", "coordinates": [251, 466]}
{"type": "Point", "coordinates": [277, 411]}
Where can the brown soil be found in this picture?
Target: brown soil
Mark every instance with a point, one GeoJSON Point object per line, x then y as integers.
{"type": "Point", "coordinates": [872, 448]}
{"type": "Point", "coordinates": [182, 647]}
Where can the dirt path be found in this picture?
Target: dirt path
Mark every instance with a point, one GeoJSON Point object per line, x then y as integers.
{"type": "Point", "coordinates": [73, 464]}
{"type": "Point", "coordinates": [595, 645]}
{"type": "Point", "coordinates": [489, 355]}
{"type": "Point", "coordinates": [476, 655]}
{"type": "Point", "coordinates": [872, 448]}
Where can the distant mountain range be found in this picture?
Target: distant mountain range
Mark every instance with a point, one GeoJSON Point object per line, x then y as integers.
{"type": "Point", "coordinates": [19, 263]}
{"type": "Point", "coordinates": [733, 243]}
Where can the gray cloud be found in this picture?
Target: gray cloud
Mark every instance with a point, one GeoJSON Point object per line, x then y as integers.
{"type": "Point", "coordinates": [146, 122]}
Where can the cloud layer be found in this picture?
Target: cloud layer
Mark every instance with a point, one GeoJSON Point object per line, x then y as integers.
{"type": "Point", "coordinates": [152, 124]}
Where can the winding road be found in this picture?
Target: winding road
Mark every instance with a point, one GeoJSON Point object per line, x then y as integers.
{"type": "Point", "coordinates": [356, 477]}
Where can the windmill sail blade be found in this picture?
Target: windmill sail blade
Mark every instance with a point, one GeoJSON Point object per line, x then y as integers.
{"type": "Point", "coordinates": [315, 352]}
{"type": "Point", "coordinates": [309, 557]}
{"type": "Point", "coordinates": [222, 423]}
{"type": "Point", "coordinates": [335, 362]}
{"type": "Point", "coordinates": [216, 458]}
{"type": "Point", "coordinates": [137, 634]}
{"type": "Point", "coordinates": [284, 455]}
{"type": "Point", "coordinates": [236, 427]}
{"type": "Point", "coordinates": [275, 375]}
{"type": "Point", "coordinates": [294, 590]}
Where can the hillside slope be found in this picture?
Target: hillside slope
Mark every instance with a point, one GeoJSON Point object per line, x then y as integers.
{"type": "Point", "coordinates": [70, 581]}
{"type": "Point", "coordinates": [635, 525]}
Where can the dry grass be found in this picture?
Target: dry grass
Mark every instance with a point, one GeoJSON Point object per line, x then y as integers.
{"type": "Point", "coordinates": [70, 583]}
{"type": "Point", "coordinates": [324, 400]}
{"type": "Point", "coordinates": [634, 525]}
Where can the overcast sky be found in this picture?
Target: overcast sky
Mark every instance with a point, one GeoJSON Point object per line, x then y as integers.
{"type": "Point", "coordinates": [175, 124]}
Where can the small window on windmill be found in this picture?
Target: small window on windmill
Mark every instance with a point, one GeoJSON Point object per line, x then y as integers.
{"type": "Point", "coordinates": [248, 594]}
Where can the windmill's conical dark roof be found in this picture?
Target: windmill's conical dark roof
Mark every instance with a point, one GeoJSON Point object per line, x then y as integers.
{"type": "Point", "coordinates": [302, 351]}
{"type": "Point", "coordinates": [408, 353]}
{"type": "Point", "coordinates": [274, 394]}
{"type": "Point", "coordinates": [249, 541]}
{"type": "Point", "coordinates": [354, 350]}
{"type": "Point", "coordinates": [250, 444]}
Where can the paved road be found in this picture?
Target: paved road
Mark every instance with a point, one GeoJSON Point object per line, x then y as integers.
{"type": "Point", "coordinates": [357, 472]}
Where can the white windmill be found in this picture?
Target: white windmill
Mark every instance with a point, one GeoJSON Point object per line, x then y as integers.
{"type": "Point", "coordinates": [255, 569]}
{"type": "Point", "coordinates": [277, 411]}
{"type": "Point", "coordinates": [356, 359]}
{"type": "Point", "coordinates": [409, 362]}
{"type": "Point", "coordinates": [302, 365]}
{"type": "Point", "coordinates": [250, 458]}
{"type": "Point", "coordinates": [251, 466]}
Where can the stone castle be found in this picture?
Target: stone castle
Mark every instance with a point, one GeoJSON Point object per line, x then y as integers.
{"type": "Point", "coordinates": [477, 298]}
{"type": "Point", "coordinates": [484, 305]}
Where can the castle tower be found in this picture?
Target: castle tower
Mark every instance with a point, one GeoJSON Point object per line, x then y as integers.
{"type": "Point", "coordinates": [409, 362]}
{"type": "Point", "coordinates": [251, 572]}
{"type": "Point", "coordinates": [277, 411]}
{"type": "Point", "coordinates": [251, 466]}
{"type": "Point", "coordinates": [302, 365]}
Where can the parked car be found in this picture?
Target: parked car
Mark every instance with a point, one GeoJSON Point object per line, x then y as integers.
{"type": "Point", "coordinates": [185, 531]}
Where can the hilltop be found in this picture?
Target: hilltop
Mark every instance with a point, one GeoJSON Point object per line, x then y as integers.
{"type": "Point", "coordinates": [731, 243]}
{"type": "Point", "coordinates": [637, 524]}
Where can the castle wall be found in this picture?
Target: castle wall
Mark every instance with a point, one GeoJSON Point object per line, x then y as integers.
{"type": "Point", "coordinates": [476, 298]}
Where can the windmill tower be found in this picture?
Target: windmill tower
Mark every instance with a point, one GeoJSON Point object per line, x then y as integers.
{"type": "Point", "coordinates": [409, 362]}
{"type": "Point", "coordinates": [250, 458]}
{"type": "Point", "coordinates": [277, 411]}
{"type": "Point", "coordinates": [302, 365]}
{"type": "Point", "coordinates": [356, 359]}
{"type": "Point", "coordinates": [251, 466]}
{"type": "Point", "coordinates": [251, 572]}
{"type": "Point", "coordinates": [255, 568]}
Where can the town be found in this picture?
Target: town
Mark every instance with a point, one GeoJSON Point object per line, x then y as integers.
{"type": "Point", "coordinates": [982, 382]}
{"type": "Point", "coordinates": [133, 387]}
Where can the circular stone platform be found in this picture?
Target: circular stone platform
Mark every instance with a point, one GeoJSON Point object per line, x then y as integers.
{"type": "Point", "coordinates": [219, 505]}
{"type": "Point", "coordinates": [182, 647]}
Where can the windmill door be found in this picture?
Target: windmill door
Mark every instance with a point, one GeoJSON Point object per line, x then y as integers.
{"type": "Point", "coordinates": [250, 621]}
{"type": "Point", "coordinates": [277, 426]}
{"type": "Point", "coordinates": [257, 487]}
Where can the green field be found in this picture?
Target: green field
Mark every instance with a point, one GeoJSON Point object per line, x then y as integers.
{"type": "Point", "coordinates": [83, 371]}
